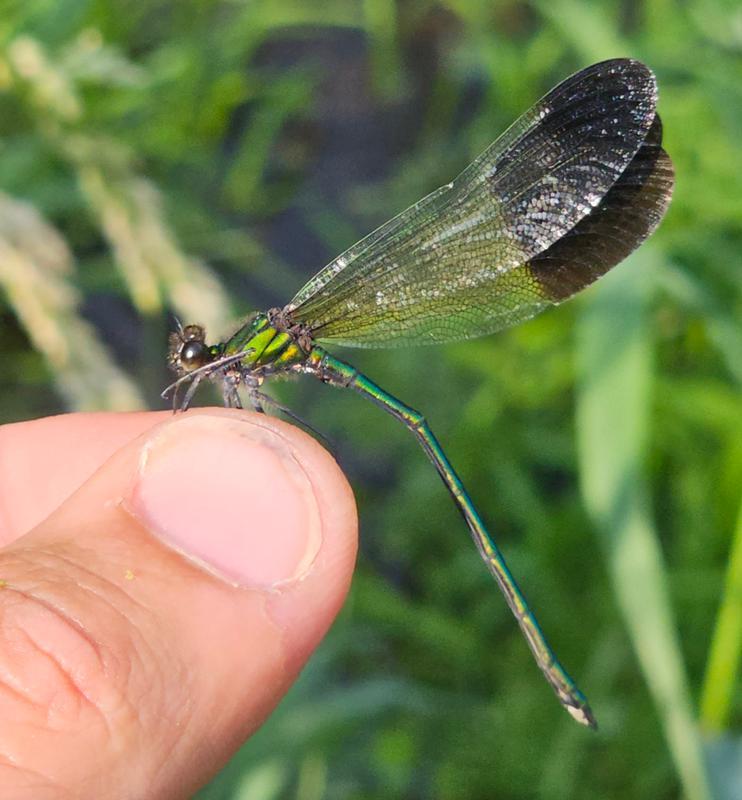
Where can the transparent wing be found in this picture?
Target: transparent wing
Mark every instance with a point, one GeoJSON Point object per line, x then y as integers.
{"type": "Point", "coordinates": [471, 257]}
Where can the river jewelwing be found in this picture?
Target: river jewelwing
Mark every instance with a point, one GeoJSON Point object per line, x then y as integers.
{"type": "Point", "coordinates": [567, 192]}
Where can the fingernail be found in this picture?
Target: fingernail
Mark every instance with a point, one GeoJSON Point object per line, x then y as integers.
{"type": "Point", "coordinates": [232, 496]}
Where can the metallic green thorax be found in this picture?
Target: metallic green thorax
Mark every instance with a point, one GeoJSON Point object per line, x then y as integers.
{"type": "Point", "coordinates": [267, 344]}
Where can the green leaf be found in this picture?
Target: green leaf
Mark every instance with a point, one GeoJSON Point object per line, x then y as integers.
{"type": "Point", "coordinates": [615, 372]}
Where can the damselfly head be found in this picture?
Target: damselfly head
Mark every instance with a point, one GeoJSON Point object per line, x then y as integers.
{"type": "Point", "coordinates": [187, 349]}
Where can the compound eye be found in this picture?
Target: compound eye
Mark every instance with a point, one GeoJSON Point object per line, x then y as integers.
{"type": "Point", "coordinates": [193, 355]}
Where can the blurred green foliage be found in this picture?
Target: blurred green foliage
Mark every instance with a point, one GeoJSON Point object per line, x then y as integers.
{"type": "Point", "coordinates": [206, 156]}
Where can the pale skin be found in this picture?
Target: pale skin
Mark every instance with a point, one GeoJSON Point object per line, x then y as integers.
{"type": "Point", "coordinates": [148, 627]}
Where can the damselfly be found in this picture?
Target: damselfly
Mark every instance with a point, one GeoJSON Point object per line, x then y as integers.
{"type": "Point", "coordinates": [566, 193]}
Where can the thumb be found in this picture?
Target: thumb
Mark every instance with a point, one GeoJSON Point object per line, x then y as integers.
{"type": "Point", "coordinates": [150, 624]}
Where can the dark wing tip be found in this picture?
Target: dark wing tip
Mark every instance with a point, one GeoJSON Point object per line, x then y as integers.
{"type": "Point", "coordinates": [626, 216]}
{"type": "Point", "coordinates": [622, 85]}
{"type": "Point", "coordinates": [627, 70]}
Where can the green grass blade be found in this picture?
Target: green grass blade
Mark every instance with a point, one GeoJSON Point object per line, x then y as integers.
{"type": "Point", "coordinates": [726, 646]}
{"type": "Point", "coordinates": [615, 362]}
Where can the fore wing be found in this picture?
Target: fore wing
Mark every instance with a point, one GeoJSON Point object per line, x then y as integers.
{"type": "Point", "coordinates": [473, 256]}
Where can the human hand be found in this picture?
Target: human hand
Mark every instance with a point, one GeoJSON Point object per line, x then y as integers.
{"type": "Point", "coordinates": [162, 582]}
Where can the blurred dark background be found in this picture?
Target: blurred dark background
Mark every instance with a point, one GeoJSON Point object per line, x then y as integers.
{"type": "Point", "coordinates": [205, 157]}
